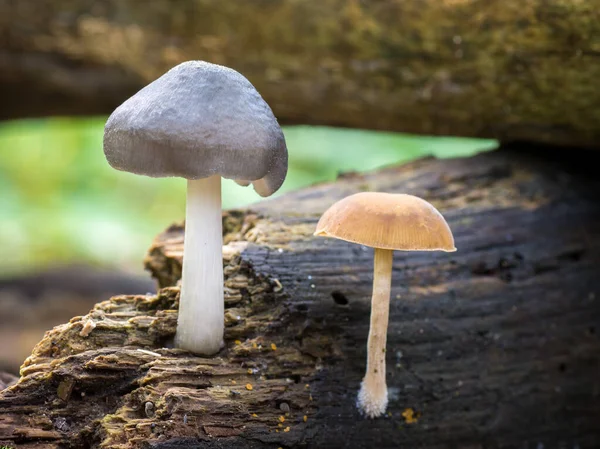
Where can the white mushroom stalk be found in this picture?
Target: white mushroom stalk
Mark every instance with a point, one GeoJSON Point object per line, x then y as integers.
{"type": "Point", "coordinates": [201, 307]}
{"type": "Point", "coordinates": [373, 395]}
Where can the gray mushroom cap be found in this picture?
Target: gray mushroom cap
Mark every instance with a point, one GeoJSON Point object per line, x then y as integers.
{"type": "Point", "coordinates": [198, 120]}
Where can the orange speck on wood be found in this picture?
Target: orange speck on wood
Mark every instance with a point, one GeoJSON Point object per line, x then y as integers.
{"type": "Point", "coordinates": [281, 419]}
{"type": "Point", "coordinates": [254, 345]}
{"type": "Point", "coordinates": [305, 418]}
{"type": "Point", "coordinates": [287, 429]}
{"type": "Point", "coordinates": [249, 370]}
{"type": "Point", "coordinates": [409, 415]}
{"type": "Point", "coordinates": [273, 346]}
{"type": "Point", "coordinates": [254, 415]}
{"type": "Point", "coordinates": [249, 387]}
{"type": "Point", "coordinates": [237, 342]}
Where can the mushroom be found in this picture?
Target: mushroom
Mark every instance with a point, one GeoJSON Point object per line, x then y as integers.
{"type": "Point", "coordinates": [199, 121]}
{"type": "Point", "coordinates": [386, 222]}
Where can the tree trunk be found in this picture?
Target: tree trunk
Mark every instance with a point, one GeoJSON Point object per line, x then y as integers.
{"type": "Point", "coordinates": [495, 345]}
{"type": "Point", "coordinates": [524, 70]}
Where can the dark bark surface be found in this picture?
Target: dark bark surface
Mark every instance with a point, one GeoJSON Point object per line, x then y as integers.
{"type": "Point", "coordinates": [495, 346]}
{"type": "Point", "coordinates": [524, 70]}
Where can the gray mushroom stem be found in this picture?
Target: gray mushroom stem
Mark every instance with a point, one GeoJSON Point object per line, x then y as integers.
{"type": "Point", "coordinates": [373, 396]}
{"type": "Point", "coordinates": [201, 308]}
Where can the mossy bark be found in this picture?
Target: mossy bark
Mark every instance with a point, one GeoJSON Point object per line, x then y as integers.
{"type": "Point", "coordinates": [523, 70]}
{"type": "Point", "coordinates": [495, 345]}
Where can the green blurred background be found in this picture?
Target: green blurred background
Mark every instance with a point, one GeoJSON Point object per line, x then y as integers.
{"type": "Point", "coordinates": [61, 202]}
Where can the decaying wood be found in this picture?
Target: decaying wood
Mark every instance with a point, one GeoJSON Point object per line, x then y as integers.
{"type": "Point", "coordinates": [495, 345]}
{"type": "Point", "coordinates": [32, 303]}
{"type": "Point", "coordinates": [523, 70]}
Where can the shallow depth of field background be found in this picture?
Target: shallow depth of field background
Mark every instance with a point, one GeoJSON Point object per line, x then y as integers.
{"type": "Point", "coordinates": [72, 227]}
{"type": "Point", "coordinates": [62, 203]}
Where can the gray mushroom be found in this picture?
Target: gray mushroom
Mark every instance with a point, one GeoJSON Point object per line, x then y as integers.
{"type": "Point", "coordinates": [200, 121]}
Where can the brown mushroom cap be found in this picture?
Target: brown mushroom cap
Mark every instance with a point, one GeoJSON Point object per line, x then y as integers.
{"type": "Point", "coordinates": [388, 221]}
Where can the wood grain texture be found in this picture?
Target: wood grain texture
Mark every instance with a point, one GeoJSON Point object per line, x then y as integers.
{"type": "Point", "coordinates": [522, 70]}
{"type": "Point", "coordinates": [494, 346]}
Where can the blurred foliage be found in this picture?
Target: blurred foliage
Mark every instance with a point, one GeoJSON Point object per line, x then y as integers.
{"type": "Point", "coordinates": [61, 202]}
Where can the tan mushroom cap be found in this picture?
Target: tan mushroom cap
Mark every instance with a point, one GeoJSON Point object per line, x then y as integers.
{"type": "Point", "coordinates": [388, 221]}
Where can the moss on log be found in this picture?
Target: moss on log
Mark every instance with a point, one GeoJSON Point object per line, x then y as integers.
{"type": "Point", "coordinates": [495, 345]}
{"type": "Point", "coordinates": [522, 70]}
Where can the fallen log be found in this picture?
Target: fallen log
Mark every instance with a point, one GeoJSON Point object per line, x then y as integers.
{"type": "Point", "coordinates": [495, 345]}
{"type": "Point", "coordinates": [505, 70]}
{"type": "Point", "coordinates": [32, 303]}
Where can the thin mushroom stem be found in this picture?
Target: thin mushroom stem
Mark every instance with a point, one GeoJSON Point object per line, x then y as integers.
{"type": "Point", "coordinates": [200, 324]}
{"type": "Point", "coordinates": [373, 396]}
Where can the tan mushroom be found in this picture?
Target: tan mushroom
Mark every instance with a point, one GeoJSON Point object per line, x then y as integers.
{"type": "Point", "coordinates": [386, 222]}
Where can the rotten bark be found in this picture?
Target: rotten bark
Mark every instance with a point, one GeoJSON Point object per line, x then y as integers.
{"type": "Point", "coordinates": [32, 303]}
{"type": "Point", "coordinates": [523, 70]}
{"type": "Point", "coordinates": [495, 345]}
